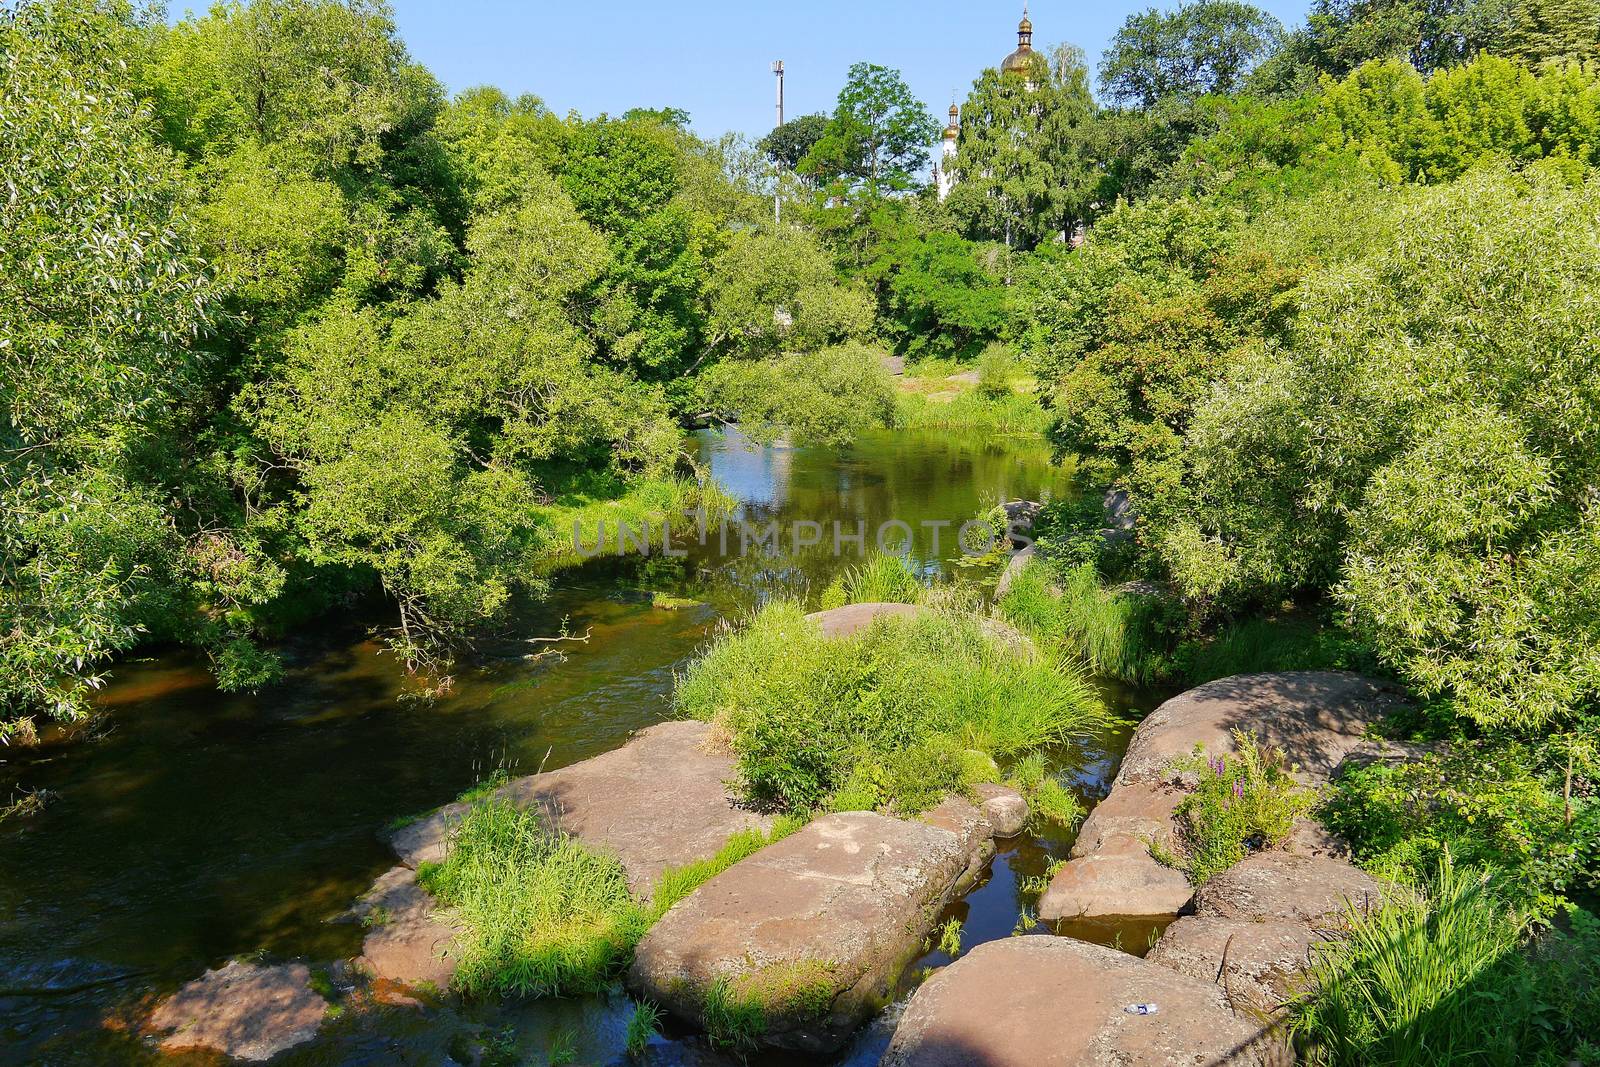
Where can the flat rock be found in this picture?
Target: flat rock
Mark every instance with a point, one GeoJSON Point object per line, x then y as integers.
{"type": "Point", "coordinates": [661, 800]}
{"type": "Point", "coordinates": [408, 942]}
{"type": "Point", "coordinates": [815, 926]}
{"type": "Point", "coordinates": [244, 1010]}
{"type": "Point", "coordinates": [1058, 1002]}
{"type": "Point", "coordinates": [1111, 873]}
{"type": "Point", "coordinates": [1004, 807]}
{"type": "Point", "coordinates": [1316, 717]}
{"type": "Point", "coordinates": [1281, 886]}
{"type": "Point", "coordinates": [1256, 963]}
{"type": "Point", "coordinates": [853, 618]}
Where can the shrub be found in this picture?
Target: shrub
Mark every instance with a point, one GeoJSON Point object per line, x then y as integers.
{"type": "Point", "coordinates": [898, 715]}
{"type": "Point", "coordinates": [1488, 805]}
{"type": "Point", "coordinates": [823, 397]}
{"type": "Point", "coordinates": [1237, 806]}
{"type": "Point", "coordinates": [997, 369]}
{"type": "Point", "coordinates": [1438, 977]}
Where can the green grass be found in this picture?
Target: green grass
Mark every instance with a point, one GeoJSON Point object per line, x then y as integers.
{"type": "Point", "coordinates": [1446, 975]}
{"type": "Point", "coordinates": [972, 410]}
{"type": "Point", "coordinates": [678, 882]}
{"type": "Point", "coordinates": [1244, 801]}
{"type": "Point", "coordinates": [737, 1011]}
{"type": "Point", "coordinates": [899, 715]}
{"type": "Point", "coordinates": [950, 938]}
{"type": "Point", "coordinates": [544, 915]}
{"type": "Point", "coordinates": [1118, 635]}
{"type": "Point", "coordinates": [643, 1024]}
{"type": "Point", "coordinates": [882, 579]}
{"type": "Point", "coordinates": [1048, 800]}
{"type": "Point", "coordinates": [1290, 643]}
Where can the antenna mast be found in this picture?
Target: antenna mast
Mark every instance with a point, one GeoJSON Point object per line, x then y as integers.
{"type": "Point", "coordinates": [777, 191]}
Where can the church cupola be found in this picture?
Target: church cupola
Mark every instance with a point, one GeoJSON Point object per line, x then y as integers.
{"type": "Point", "coordinates": [1021, 61]}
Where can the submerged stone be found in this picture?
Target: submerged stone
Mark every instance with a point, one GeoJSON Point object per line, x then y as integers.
{"type": "Point", "coordinates": [1060, 1002]}
{"type": "Point", "coordinates": [243, 1010]}
{"type": "Point", "coordinates": [808, 934]}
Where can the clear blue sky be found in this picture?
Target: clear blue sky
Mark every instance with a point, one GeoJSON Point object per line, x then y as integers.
{"type": "Point", "coordinates": [714, 59]}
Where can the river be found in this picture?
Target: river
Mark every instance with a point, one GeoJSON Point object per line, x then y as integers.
{"type": "Point", "coordinates": [189, 826]}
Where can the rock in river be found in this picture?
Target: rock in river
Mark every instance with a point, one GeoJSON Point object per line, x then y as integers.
{"type": "Point", "coordinates": [661, 800]}
{"type": "Point", "coordinates": [813, 928]}
{"type": "Point", "coordinates": [1316, 717]}
{"type": "Point", "coordinates": [1058, 1002]}
{"type": "Point", "coordinates": [243, 1010]}
{"type": "Point", "coordinates": [409, 942]}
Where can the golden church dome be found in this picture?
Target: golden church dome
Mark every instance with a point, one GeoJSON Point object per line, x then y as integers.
{"type": "Point", "coordinates": [952, 131]}
{"type": "Point", "coordinates": [1021, 61]}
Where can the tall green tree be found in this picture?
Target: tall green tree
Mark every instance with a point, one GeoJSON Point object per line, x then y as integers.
{"type": "Point", "coordinates": [788, 144]}
{"type": "Point", "coordinates": [876, 142]}
{"type": "Point", "coordinates": [102, 299]}
{"type": "Point", "coordinates": [1209, 46]}
{"type": "Point", "coordinates": [1025, 165]}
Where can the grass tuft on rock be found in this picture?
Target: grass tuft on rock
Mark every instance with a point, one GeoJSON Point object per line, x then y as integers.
{"type": "Point", "coordinates": [737, 1010]}
{"type": "Point", "coordinates": [1240, 803]}
{"type": "Point", "coordinates": [544, 914]}
{"type": "Point", "coordinates": [1118, 634]}
{"type": "Point", "coordinates": [894, 718]}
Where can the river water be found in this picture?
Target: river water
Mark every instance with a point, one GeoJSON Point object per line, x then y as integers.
{"type": "Point", "coordinates": [191, 826]}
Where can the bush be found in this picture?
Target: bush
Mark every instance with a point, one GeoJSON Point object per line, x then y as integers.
{"type": "Point", "coordinates": [1238, 805]}
{"type": "Point", "coordinates": [1438, 977]}
{"type": "Point", "coordinates": [1484, 803]}
{"type": "Point", "coordinates": [894, 718]}
{"type": "Point", "coordinates": [997, 369]}
{"type": "Point", "coordinates": [1290, 643]}
{"type": "Point", "coordinates": [824, 397]}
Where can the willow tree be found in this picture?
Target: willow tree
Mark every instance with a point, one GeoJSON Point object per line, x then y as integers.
{"type": "Point", "coordinates": [1024, 167]}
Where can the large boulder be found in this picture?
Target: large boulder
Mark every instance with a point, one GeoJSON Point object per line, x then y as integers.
{"type": "Point", "coordinates": [810, 932]}
{"type": "Point", "coordinates": [1111, 873]}
{"type": "Point", "coordinates": [245, 1011]}
{"type": "Point", "coordinates": [1256, 924]}
{"type": "Point", "coordinates": [408, 941]}
{"type": "Point", "coordinates": [1316, 717]}
{"type": "Point", "coordinates": [1314, 890]}
{"type": "Point", "coordinates": [661, 800]}
{"type": "Point", "coordinates": [1257, 964]}
{"type": "Point", "coordinates": [1059, 1002]}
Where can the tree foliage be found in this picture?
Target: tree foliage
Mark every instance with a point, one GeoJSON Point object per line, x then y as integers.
{"type": "Point", "coordinates": [1208, 46]}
